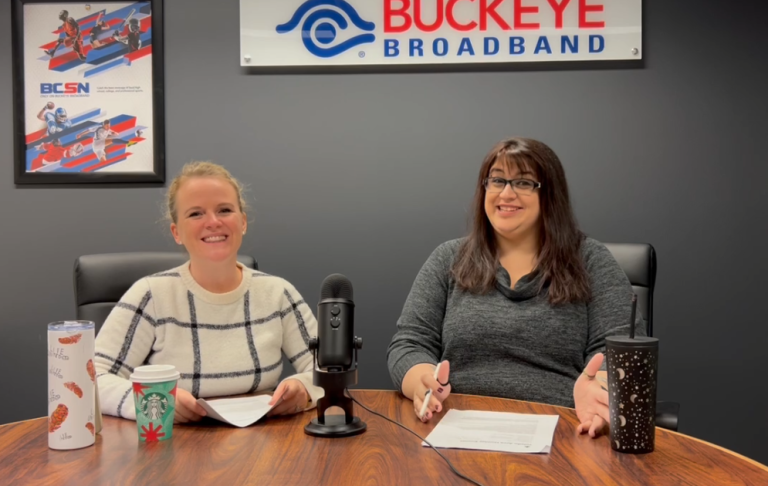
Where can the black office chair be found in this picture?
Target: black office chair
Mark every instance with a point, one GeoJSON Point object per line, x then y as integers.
{"type": "Point", "coordinates": [638, 260]}
{"type": "Point", "coordinates": [100, 280]}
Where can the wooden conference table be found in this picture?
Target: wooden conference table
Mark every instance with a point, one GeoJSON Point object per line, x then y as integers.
{"type": "Point", "coordinates": [277, 452]}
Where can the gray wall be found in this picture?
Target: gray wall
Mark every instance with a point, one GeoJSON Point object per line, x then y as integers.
{"type": "Point", "coordinates": [365, 174]}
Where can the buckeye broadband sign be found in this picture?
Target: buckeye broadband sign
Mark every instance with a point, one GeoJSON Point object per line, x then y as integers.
{"type": "Point", "coordinates": [396, 32]}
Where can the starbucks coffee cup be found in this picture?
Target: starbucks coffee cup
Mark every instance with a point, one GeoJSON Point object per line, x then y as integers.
{"type": "Point", "coordinates": [154, 395]}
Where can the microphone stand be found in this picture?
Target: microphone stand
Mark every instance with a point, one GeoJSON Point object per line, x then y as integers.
{"type": "Point", "coordinates": [334, 383]}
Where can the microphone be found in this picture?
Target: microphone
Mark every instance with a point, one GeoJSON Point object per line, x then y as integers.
{"type": "Point", "coordinates": [335, 356]}
{"type": "Point", "coordinates": [336, 324]}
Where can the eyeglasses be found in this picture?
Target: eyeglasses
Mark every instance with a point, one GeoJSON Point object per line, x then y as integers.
{"type": "Point", "coordinates": [523, 187]}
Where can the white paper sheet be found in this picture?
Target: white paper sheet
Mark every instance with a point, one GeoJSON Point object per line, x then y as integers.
{"type": "Point", "coordinates": [494, 431]}
{"type": "Point", "coordinates": [240, 412]}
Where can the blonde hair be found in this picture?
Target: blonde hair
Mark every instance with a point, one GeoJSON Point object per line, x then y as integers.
{"type": "Point", "coordinates": [200, 169]}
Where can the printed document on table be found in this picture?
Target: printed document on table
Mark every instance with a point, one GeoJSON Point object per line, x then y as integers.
{"type": "Point", "coordinates": [494, 431]}
{"type": "Point", "coordinates": [241, 412]}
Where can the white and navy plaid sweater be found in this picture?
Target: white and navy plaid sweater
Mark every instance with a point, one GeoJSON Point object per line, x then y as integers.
{"type": "Point", "coordinates": [222, 344]}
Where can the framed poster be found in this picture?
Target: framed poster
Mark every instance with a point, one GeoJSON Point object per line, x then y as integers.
{"type": "Point", "coordinates": [88, 92]}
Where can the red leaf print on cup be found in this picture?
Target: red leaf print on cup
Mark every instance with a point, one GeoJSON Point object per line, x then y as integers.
{"type": "Point", "coordinates": [91, 370]}
{"type": "Point", "coordinates": [57, 417]}
{"type": "Point", "coordinates": [72, 386]}
{"type": "Point", "coordinates": [70, 339]}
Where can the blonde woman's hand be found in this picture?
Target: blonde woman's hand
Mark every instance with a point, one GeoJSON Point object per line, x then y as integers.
{"type": "Point", "coordinates": [187, 408]}
{"type": "Point", "coordinates": [290, 397]}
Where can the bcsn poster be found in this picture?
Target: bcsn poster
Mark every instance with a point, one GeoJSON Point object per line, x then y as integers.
{"type": "Point", "coordinates": [88, 87]}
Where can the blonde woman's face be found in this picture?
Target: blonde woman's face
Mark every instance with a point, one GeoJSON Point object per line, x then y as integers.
{"type": "Point", "coordinates": [209, 222]}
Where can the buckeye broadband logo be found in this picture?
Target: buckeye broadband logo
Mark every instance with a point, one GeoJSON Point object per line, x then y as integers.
{"type": "Point", "coordinates": [318, 29]}
{"type": "Point", "coordinates": [457, 29]}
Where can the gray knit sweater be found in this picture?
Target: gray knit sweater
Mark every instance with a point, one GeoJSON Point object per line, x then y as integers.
{"type": "Point", "coordinates": [512, 342]}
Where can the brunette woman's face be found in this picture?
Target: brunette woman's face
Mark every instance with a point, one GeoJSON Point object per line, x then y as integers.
{"type": "Point", "coordinates": [513, 212]}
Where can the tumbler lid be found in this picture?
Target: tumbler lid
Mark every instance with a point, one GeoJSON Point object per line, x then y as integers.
{"type": "Point", "coordinates": [635, 342]}
{"type": "Point", "coordinates": [71, 326]}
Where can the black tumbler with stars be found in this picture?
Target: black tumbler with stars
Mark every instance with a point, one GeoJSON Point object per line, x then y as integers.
{"type": "Point", "coordinates": [631, 363]}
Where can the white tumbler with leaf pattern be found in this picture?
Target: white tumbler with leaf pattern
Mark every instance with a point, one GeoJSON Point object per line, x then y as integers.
{"type": "Point", "coordinates": [71, 385]}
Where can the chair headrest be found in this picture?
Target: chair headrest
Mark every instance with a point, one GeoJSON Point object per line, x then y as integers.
{"type": "Point", "coordinates": [106, 277]}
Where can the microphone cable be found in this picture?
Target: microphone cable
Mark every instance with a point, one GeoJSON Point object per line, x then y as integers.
{"type": "Point", "coordinates": [349, 394]}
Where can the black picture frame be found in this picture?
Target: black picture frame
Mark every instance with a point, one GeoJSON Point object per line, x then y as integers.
{"type": "Point", "coordinates": [22, 174]}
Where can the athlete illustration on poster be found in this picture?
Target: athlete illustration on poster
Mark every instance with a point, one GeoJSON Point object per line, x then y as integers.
{"type": "Point", "coordinates": [50, 153]}
{"type": "Point", "coordinates": [88, 87]}
{"type": "Point", "coordinates": [71, 38]}
{"type": "Point", "coordinates": [132, 36]}
{"type": "Point", "coordinates": [56, 120]}
{"type": "Point", "coordinates": [102, 136]}
{"type": "Point", "coordinates": [100, 27]}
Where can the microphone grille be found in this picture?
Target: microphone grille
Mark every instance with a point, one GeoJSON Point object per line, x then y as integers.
{"type": "Point", "coordinates": [336, 286]}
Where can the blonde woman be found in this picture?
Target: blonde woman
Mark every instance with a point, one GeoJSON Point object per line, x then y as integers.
{"type": "Point", "coordinates": [223, 326]}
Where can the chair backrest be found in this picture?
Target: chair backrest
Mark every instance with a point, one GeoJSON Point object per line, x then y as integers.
{"type": "Point", "coordinates": [638, 260]}
{"type": "Point", "coordinates": [100, 280]}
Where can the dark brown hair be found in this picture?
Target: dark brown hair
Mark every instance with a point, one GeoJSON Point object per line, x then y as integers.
{"type": "Point", "coordinates": [559, 260]}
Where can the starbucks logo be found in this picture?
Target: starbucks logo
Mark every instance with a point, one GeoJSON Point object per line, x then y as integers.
{"type": "Point", "coordinates": [154, 405]}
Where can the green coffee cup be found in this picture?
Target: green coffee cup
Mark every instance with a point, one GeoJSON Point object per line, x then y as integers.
{"type": "Point", "coordinates": [154, 395]}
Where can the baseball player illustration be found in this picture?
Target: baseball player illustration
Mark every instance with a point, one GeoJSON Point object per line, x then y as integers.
{"type": "Point", "coordinates": [132, 37]}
